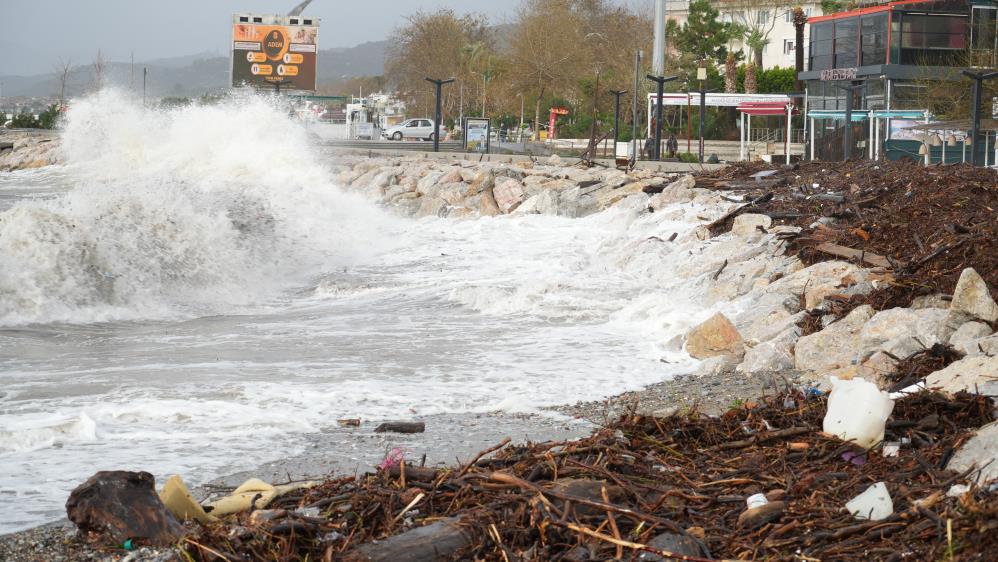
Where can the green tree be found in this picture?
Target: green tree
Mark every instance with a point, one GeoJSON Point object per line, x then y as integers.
{"type": "Point", "coordinates": [48, 118]}
{"type": "Point", "coordinates": [704, 34]}
{"type": "Point", "coordinates": [3, 118]}
{"type": "Point", "coordinates": [24, 121]}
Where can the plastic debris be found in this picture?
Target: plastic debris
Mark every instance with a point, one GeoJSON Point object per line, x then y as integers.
{"type": "Point", "coordinates": [874, 504]}
{"type": "Point", "coordinates": [857, 412]}
{"type": "Point", "coordinates": [756, 500]}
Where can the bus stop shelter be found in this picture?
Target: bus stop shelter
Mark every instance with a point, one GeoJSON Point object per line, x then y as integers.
{"type": "Point", "coordinates": [763, 109]}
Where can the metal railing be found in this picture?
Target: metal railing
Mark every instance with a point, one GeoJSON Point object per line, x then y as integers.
{"type": "Point", "coordinates": [775, 135]}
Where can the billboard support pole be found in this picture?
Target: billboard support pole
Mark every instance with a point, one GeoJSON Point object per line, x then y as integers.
{"type": "Point", "coordinates": [436, 117]}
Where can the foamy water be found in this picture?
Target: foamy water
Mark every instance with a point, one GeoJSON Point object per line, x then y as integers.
{"type": "Point", "coordinates": [191, 294]}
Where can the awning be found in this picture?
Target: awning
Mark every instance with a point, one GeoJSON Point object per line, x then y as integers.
{"type": "Point", "coordinates": [765, 108]}
{"type": "Point", "coordinates": [838, 115]}
{"type": "Point", "coordinates": [862, 115]}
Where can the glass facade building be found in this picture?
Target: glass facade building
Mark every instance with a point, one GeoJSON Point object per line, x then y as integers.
{"type": "Point", "coordinates": [894, 49]}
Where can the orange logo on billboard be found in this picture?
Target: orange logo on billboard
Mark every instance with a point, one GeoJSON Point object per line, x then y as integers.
{"type": "Point", "coordinates": [256, 57]}
{"type": "Point", "coordinates": [293, 58]}
{"type": "Point", "coordinates": [275, 44]}
{"type": "Point", "coordinates": [286, 70]}
{"type": "Point", "coordinates": [262, 69]}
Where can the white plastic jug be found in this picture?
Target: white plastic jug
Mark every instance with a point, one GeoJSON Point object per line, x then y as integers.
{"type": "Point", "coordinates": [857, 411]}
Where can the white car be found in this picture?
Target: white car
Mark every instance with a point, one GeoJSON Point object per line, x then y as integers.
{"type": "Point", "coordinates": [412, 129]}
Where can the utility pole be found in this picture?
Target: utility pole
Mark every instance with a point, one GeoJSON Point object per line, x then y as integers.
{"type": "Point", "coordinates": [660, 83]}
{"type": "Point", "coordinates": [519, 133]}
{"type": "Point", "coordinates": [975, 110]}
{"type": "Point", "coordinates": [616, 117]}
{"type": "Point", "coordinates": [634, 107]}
{"type": "Point", "coordinates": [145, 72]}
{"type": "Point", "coordinates": [658, 52]}
{"type": "Point", "coordinates": [436, 120]}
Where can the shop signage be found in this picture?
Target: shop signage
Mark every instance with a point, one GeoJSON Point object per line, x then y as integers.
{"type": "Point", "coordinates": [835, 74]}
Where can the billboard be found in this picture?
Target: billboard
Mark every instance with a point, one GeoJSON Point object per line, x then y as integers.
{"type": "Point", "coordinates": [274, 52]}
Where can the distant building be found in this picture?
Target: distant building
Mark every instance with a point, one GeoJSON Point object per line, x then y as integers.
{"type": "Point", "coordinates": [897, 50]}
{"type": "Point", "coordinates": [772, 18]}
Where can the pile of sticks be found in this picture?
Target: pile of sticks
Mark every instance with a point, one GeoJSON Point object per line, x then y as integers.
{"type": "Point", "coordinates": [925, 225]}
{"type": "Point", "coordinates": [650, 489]}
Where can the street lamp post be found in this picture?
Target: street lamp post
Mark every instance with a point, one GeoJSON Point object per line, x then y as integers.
{"type": "Point", "coordinates": [660, 83]}
{"type": "Point", "coordinates": [975, 110]}
{"type": "Point", "coordinates": [436, 119]}
{"type": "Point", "coordinates": [616, 117]}
{"type": "Point", "coordinates": [634, 107]}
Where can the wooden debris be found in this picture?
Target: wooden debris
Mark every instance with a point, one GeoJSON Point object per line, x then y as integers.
{"type": "Point", "coordinates": [401, 427]}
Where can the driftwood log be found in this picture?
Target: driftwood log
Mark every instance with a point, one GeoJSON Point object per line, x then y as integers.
{"type": "Point", "coordinates": [437, 541]}
{"type": "Point", "coordinates": [401, 427]}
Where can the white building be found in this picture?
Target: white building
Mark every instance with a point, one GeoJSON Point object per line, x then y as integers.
{"type": "Point", "coordinates": [774, 19]}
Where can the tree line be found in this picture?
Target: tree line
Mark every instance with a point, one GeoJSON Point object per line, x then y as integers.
{"type": "Point", "coordinates": [554, 53]}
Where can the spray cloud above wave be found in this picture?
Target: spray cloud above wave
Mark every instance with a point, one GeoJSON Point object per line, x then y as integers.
{"type": "Point", "coordinates": [174, 212]}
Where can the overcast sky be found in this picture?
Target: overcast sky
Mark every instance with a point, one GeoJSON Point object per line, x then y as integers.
{"type": "Point", "coordinates": [36, 33]}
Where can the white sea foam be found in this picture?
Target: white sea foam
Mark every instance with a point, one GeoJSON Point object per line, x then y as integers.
{"type": "Point", "coordinates": [173, 213]}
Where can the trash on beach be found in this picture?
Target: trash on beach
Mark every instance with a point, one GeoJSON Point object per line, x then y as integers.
{"type": "Point", "coordinates": [755, 500]}
{"type": "Point", "coordinates": [891, 448]}
{"type": "Point", "coordinates": [178, 499]}
{"type": "Point", "coordinates": [857, 459]}
{"type": "Point", "coordinates": [874, 504]}
{"type": "Point", "coordinates": [857, 411]}
{"type": "Point", "coordinates": [252, 494]}
{"type": "Point", "coordinates": [392, 459]}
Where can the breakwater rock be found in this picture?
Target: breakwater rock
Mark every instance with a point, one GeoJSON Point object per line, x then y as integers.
{"type": "Point", "coordinates": [24, 150]}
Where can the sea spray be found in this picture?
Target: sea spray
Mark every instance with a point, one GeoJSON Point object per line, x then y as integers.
{"type": "Point", "coordinates": [176, 212]}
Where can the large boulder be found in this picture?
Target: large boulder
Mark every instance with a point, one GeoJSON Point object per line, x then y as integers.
{"type": "Point", "coordinates": [544, 203]}
{"type": "Point", "coordinates": [125, 506]}
{"type": "Point", "coordinates": [679, 191]}
{"type": "Point", "coordinates": [487, 206]}
{"type": "Point", "coordinates": [834, 347]}
{"type": "Point", "coordinates": [774, 355]}
{"type": "Point", "coordinates": [971, 299]}
{"type": "Point", "coordinates": [431, 206]}
{"type": "Point", "coordinates": [749, 224]}
{"type": "Point", "coordinates": [822, 280]}
{"type": "Point", "coordinates": [901, 331]}
{"type": "Point", "coordinates": [981, 451]}
{"type": "Point", "coordinates": [964, 338]}
{"type": "Point", "coordinates": [974, 373]}
{"type": "Point", "coordinates": [508, 194]}
{"type": "Point", "coordinates": [715, 336]}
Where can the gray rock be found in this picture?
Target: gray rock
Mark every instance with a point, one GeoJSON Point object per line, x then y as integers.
{"type": "Point", "coordinates": [967, 334]}
{"type": "Point", "coordinates": [748, 224]}
{"type": "Point", "coordinates": [901, 331]}
{"type": "Point", "coordinates": [971, 298]}
{"type": "Point", "coordinates": [981, 451]}
{"type": "Point", "coordinates": [974, 373]}
{"type": "Point", "coordinates": [508, 194]}
{"type": "Point", "coordinates": [544, 203]}
{"type": "Point", "coordinates": [930, 301]}
{"type": "Point", "coordinates": [772, 356]}
{"type": "Point", "coordinates": [431, 206]}
{"type": "Point", "coordinates": [834, 347]}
